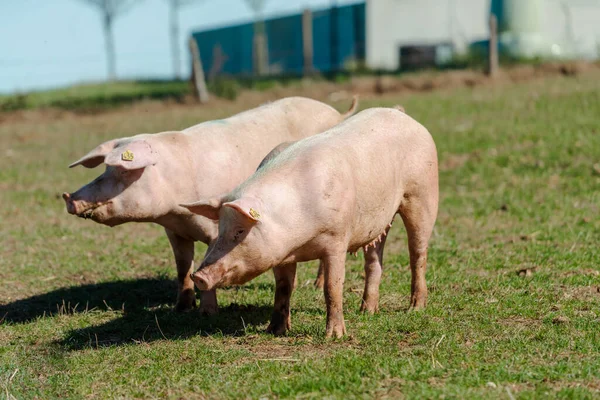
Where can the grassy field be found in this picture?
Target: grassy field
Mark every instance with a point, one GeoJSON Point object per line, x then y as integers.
{"type": "Point", "coordinates": [514, 271]}
{"type": "Point", "coordinates": [90, 97]}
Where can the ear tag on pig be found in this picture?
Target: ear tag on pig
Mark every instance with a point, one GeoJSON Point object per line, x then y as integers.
{"type": "Point", "coordinates": [254, 214]}
{"type": "Point", "coordinates": [127, 155]}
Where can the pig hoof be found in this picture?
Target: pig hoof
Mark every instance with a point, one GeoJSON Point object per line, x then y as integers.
{"type": "Point", "coordinates": [416, 307]}
{"type": "Point", "coordinates": [184, 306]}
{"type": "Point", "coordinates": [369, 308]}
{"type": "Point", "coordinates": [186, 300]}
{"type": "Point", "coordinates": [336, 331]}
{"type": "Point", "coordinates": [208, 309]}
{"type": "Point", "coordinates": [417, 303]}
{"type": "Point", "coordinates": [277, 329]}
{"type": "Point", "coordinates": [280, 324]}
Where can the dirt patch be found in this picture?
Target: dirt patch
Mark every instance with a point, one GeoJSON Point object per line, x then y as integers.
{"type": "Point", "coordinates": [580, 272]}
{"type": "Point", "coordinates": [593, 385]}
{"type": "Point", "coordinates": [516, 321]}
{"type": "Point", "coordinates": [581, 293]}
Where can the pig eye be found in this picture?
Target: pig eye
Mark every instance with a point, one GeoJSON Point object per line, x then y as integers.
{"type": "Point", "coordinates": [238, 234]}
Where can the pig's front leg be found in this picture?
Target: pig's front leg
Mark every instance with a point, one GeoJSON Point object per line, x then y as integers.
{"type": "Point", "coordinates": [285, 278]}
{"type": "Point", "coordinates": [183, 250]}
{"type": "Point", "coordinates": [334, 268]}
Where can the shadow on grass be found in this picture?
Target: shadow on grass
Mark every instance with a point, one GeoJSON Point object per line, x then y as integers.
{"type": "Point", "coordinates": [163, 324]}
{"type": "Point", "coordinates": [128, 294]}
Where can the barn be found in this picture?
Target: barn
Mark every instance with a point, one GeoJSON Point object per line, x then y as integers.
{"type": "Point", "coordinates": [394, 34]}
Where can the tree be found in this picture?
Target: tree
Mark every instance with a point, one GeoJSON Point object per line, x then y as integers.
{"type": "Point", "coordinates": [110, 9]}
{"type": "Point", "coordinates": [174, 6]}
{"type": "Point", "coordinates": [261, 58]}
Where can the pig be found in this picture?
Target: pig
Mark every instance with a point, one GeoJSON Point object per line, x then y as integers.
{"type": "Point", "coordinates": [147, 176]}
{"type": "Point", "coordinates": [320, 198]}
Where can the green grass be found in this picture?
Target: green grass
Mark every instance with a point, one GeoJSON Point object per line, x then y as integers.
{"type": "Point", "coordinates": [93, 97]}
{"type": "Point", "coordinates": [87, 309]}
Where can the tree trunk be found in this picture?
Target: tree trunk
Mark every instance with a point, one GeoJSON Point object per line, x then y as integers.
{"type": "Point", "coordinates": [493, 48]}
{"type": "Point", "coordinates": [174, 10]}
{"type": "Point", "coordinates": [198, 72]}
{"type": "Point", "coordinates": [110, 47]}
{"type": "Point", "coordinates": [307, 41]}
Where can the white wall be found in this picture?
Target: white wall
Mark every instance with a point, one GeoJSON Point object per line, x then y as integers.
{"type": "Point", "coordinates": [393, 23]}
{"type": "Point", "coordinates": [575, 28]}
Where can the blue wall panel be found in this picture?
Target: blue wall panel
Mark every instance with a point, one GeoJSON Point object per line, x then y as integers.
{"type": "Point", "coordinates": [284, 38]}
{"type": "Point", "coordinates": [338, 37]}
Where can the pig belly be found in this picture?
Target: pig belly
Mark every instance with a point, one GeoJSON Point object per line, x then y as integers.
{"type": "Point", "coordinates": [378, 198]}
{"type": "Point", "coordinates": [371, 227]}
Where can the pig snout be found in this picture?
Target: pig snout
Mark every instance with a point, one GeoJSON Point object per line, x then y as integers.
{"type": "Point", "coordinates": [71, 204]}
{"type": "Point", "coordinates": [81, 208]}
{"type": "Point", "coordinates": [202, 280]}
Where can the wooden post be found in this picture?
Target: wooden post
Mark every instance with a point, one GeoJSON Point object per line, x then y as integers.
{"type": "Point", "coordinates": [260, 55]}
{"type": "Point", "coordinates": [493, 47]}
{"type": "Point", "coordinates": [307, 41]}
{"type": "Point", "coordinates": [198, 72]}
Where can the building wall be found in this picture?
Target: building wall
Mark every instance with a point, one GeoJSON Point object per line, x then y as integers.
{"type": "Point", "coordinates": [572, 26]}
{"type": "Point", "coordinates": [338, 42]}
{"type": "Point", "coordinates": [393, 23]}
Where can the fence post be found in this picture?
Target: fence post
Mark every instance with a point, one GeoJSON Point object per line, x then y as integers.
{"type": "Point", "coordinates": [198, 72]}
{"type": "Point", "coordinates": [260, 54]}
{"type": "Point", "coordinates": [307, 41]}
{"type": "Point", "coordinates": [493, 47]}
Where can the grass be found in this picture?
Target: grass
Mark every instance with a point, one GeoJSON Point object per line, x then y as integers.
{"type": "Point", "coordinates": [94, 97]}
{"type": "Point", "coordinates": [514, 276]}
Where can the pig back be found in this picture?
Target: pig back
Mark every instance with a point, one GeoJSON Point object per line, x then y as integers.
{"type": "Point", "coordinates": [249, 136]}
{"type": "Point", "coordinates": [362, 169]}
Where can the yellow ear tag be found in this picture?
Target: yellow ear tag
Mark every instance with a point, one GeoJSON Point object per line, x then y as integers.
{"type": "Point", "coordinates": [254, 214]}
{"type": "Point", "coordinates": [127, 156]}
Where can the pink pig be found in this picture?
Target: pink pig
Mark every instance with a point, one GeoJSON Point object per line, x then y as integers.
{"type": "Point", "coordinates": [320, 198]}
{"type": "Point", "coordinates": [148, 175]}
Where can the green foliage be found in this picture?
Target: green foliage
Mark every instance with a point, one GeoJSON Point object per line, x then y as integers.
{"type": "Point", "coordinates": [94, 97]}
{"type": "Point", "coordinates": [513, 272]}
{"type": "Point", "coordinates": [12, 103]}
{"type": "Point", "coordinates": [227, 88]}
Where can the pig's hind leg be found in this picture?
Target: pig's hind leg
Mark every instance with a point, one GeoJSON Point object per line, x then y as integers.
{"type": "Point", "coordinates": [419, 212]}
{"type": "Point", "coordinates": [285, 277]}
{"type": "Point", "coordinates": [373, 271]}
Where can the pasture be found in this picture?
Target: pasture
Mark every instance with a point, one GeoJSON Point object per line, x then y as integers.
{"type": "Point", "coordinates": [513, 273]}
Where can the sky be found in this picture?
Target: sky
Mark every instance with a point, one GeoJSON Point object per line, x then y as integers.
{"type": "Point", "coordinates": [53, 43]}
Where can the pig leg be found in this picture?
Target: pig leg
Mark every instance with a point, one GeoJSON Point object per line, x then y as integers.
{"type": "Point", "coordinates": [334, 268]}
{"type": "Point", "coordinates": [320, 277]}
{"type": "Point", "coordinates": [183, 250]}
{"type": "Point", "coordinates": [373, 270]}
{"type": "Point", "coordinates": [285, 277]}
{"type": "Point", "coordinates": [418, 214]}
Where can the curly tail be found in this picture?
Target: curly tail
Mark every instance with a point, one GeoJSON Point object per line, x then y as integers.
{"type": "Point", "coordinates": [399, 108]}
{"type": "Point", "coordinates": [353, 107]}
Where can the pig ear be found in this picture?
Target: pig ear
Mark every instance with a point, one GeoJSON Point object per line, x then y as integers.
{"type": "Point", "coordinates": [135, 155]}
{"type": "Point", "coordinates": [248, 207]}
{"type": "Point", "coordinates": [96, 156]}
{"type": "Point", "coordinates": [206, 208]}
